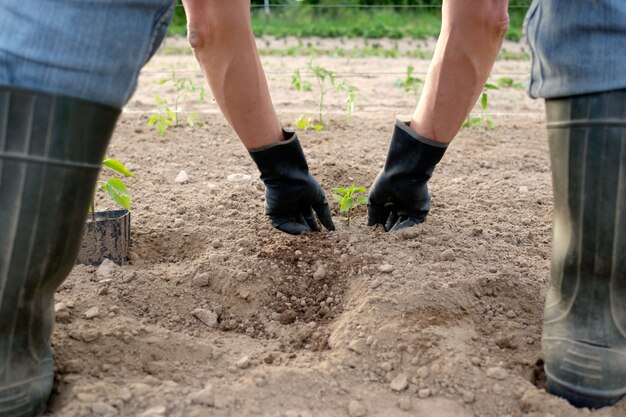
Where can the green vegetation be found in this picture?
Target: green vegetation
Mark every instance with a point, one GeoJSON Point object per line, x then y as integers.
{"type": "Point", "coordinates": [326, 82]}
{"type": "Point", "coordinates": [113, 186]}
{"type": "Point", "coordinates": [410, 84]}
{"type": "Point", "coordinates": [484, 103]}
{"type": "Point", "coordinates": [167, 114]}
{"type": "Point", "coordinates": [508, 82]}
{"type": "Point", "coordinates": [311, 18]}
{"type": "Point", "coordinates": [349, 199]}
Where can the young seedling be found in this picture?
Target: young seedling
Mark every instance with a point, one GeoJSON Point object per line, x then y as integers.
{"type": "Point", "coordinates": [411, 85]}
{"type": "Point", "coordinates": [349, 198]}
{"type": "Point", "coordinates": [482, 117]}
{"type": "Point", "coordinates": [508, 82]}
{"type": "Point", "coordinates": [326, 82]}
{"type": "Point", "coordinates": [113, 186]}
{"type": "Point", "coordinates": [167, 114]}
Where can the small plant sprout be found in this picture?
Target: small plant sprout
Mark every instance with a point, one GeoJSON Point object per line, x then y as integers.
{"type": "Point", "coordinates": [113, 186]}
{"type": "Point", "coordinates": [411, 85]}
{"type": "Point", "coordinates": [326, 82]}
{"type": "Point", "coordinates": [507, 82]}
{"type": "Point", "coordinates": [484, 103]}
{"type": "Point", "coordinates": [167, 113]}
{"type": "Point", "coordinates": [349, 198]}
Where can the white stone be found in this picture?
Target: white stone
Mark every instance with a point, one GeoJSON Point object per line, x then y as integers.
{"type": "Point", "coordinates": [207, 317]}
{"type": "Point", "coordinates": [239, 177]}
{"type": "Point", "coordinates": [182, 177]}
{"type": "Point", "coordinates": [204, 397]}
{"type": "Point", "coordinates": [356, 409]}
{"type": "Point", "coordinates": [399, 383]}
{"type": "Point", "coordinates": [92, 313]}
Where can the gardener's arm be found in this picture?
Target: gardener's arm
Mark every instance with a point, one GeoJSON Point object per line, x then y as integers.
{"type": "Point", "coordinates": [220, 35]}
{"type": "Point", "coordinates": [471, 36]}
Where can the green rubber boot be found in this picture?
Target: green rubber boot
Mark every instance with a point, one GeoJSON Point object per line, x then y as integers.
{"type": "Point", "coordinates": [51, 148]}
{"type": "Point", "coordinates": [584, 335]}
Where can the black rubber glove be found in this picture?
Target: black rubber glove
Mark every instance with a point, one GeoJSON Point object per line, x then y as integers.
{"type": "Point", "coordinates": [399, 197]}
{"type": "Point", "coordinates": [292, 195]}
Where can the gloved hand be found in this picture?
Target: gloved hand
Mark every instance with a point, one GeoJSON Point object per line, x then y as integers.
{"type": "Point", "coordinates": [399, 197]}
{"type": "Point", "coordinates": [292, 195]}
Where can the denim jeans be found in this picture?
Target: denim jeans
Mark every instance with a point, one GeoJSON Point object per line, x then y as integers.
{"type": "Point", "coordinates": [578, 46]}
{"type": "Point", "coordinates": [88, 49]}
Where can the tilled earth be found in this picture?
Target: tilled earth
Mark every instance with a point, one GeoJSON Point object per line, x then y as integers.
{"type": "Point", "coordinates": [217, 314]}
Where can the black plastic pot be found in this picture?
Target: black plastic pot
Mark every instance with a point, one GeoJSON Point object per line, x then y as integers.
{"type": "Point", "coordinates": [106, 238]}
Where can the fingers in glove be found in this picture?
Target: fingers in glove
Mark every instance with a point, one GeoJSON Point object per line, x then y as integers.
{"type": "Point", "coordinates": [404, 222]}
{"type": "Point", "coordinates": [310, 219]}
{"type": "Point", "coordinates": [323, 213]}
{"type": "Point", "coordinates": [294, 225]}
{"type": "Point", "coordinates": [377, 214]}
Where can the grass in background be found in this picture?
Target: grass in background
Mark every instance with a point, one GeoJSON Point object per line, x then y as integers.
{"type": "Point", "coordinates": [303, 21]}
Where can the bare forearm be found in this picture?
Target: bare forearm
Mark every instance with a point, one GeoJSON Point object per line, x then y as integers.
{"type": "Point", "coordinates": [223, 44]}
{"type": "Point", "coordinates": [470, 39]}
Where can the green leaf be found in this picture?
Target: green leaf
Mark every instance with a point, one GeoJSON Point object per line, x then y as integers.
{"type": "Point", "coordinates": [489, 86]}
{"type": "Point", "coordinates": [153, 119]}
{"type": "Point", "coordinates": [162, 81]}
{"type": "Point", "coordinates": [483, 101]}
{"type": "Point", "coordinates": [346, 204]}
{"type": "Point", "coordinates": [362, 200]}
{"type": "Point", "coordinates": [118, 192]}
{"type": "Point", "coordinates": [170, 114]}
{"type": "Point", "coordinates": [340, 190]}
{"type": "Point", "coordinates": [116, 166]}
{"type": "Point", "coordinates": [318, 127]}
{"type": "Point", "coordinates": [338, 198]}
{"type": "Point", "coordinates": [360, 190]}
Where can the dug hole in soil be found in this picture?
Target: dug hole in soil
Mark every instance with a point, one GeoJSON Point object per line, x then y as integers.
{"type": "Point", "coordinates": [218, 314]}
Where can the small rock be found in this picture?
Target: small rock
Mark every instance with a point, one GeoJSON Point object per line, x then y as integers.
{"type": "Point", "coordinates": [287, 317]}
{"type": "Point", "coordinates": [423, 372]}
{"type": "Point", "coordinates": [423, 393]}
{"type": "Point", "coordinates": [126, 395]}
{"type": "Point", "coordinates": [73, 366]}
{"type": "Point", "coordinates": [468, 397]}
{"type": "Point", "coordinates": [201, 279]}
{"type": "Point", "coordinates": [385, 366]}
{"type": "Point", "coordinates": [158, 411]}
{"type": "Point", "coordinates": [90, 335]}
{"type": "Point", "coordinates": [243, 363]}
{"type": "Point", "coordinates": [178, 222]}
{"type": "Point", "coordinates": [357, 346]}
{"type": "Point", "coordinates": [405, 404]}
{"type": "Point", "coordinates": [511, 314]}
{"type": "Point", "coordinates": [207, 317]}
{"type": "Point", "coordinates": [523, 189]}
{"type": "Point", "coordinates": [498, 373]}
{"type": "Point", "coordinates": [242, 276]}
{"type": "Point", "coordinates": [217, 244]}
{"type": "Point", "coordinates": [447, 255]}
{"type": "Point", "coordinates": [182, 177]}
{"type": "Point", "coordinates": [92, 313]}
{"type": "Point", "coordinates": [239, 177]}
{"type": "Point", "coordinates": [320, 273]}
{"type": "Point", "coordinates": [356, 409]}
{"type": "Point", "coordinates": [204, 397]}
{"type": "Point", "coordinates": [101, 409]}
{"type": "Point", "coordinates": [62, 313]}
{"type": "Point", "coordinates": [399, 383]}
{"type": "Point", "coordinates": [386, 268]}
{"type": "Point", "coordinates": [106, 270]}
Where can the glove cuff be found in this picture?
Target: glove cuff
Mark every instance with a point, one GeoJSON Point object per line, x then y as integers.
{"type": "Point", "coordinates": [280, 158]}
{"type": "Point", "coordinates": [405, 127]}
